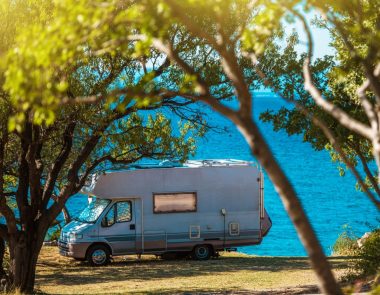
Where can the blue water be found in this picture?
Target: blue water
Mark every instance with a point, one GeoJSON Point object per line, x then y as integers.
{"type": "Point", "coordinates": [330, 201]}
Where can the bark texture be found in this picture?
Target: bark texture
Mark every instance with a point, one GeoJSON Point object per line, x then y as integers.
{"type": "Point", "coordinates": [24, 249]}
{"type": "Point", "coordinates": [293, 207]}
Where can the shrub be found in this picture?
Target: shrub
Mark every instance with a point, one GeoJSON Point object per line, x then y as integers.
{"type": "Point", "coordinates": [366, 259]}
{"type": "Point", "coordinates": [369, 255]}
{"type": "Point", "coordinates": [54, 234]}
{"type": "Point", "coordinates": [346, 244]}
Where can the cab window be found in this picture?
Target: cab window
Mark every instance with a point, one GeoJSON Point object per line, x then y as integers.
{"type": "Point", "coordinates": [119, 212]}
{"type": "Point", "coordinates": [123, 210]}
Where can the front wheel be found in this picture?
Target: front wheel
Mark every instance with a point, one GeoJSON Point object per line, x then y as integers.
{"type": "Point", "coordinates": [202, 252]}
{"type": "Point", "coordinates": [98, 255]}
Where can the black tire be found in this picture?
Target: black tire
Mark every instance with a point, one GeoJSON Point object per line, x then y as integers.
{"type": "Point", "coordinates": [201, 252]}
{"type": "Point", "coordinates": [98, 255]}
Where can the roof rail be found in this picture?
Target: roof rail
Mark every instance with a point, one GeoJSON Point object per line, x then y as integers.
{"type": "Point", "coordinates": [162, 164]}
{"type": "Point", "coordinates": [218, 162]}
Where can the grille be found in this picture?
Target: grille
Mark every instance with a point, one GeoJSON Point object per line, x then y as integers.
{"type": "Point", "coordinates": [63, 246]}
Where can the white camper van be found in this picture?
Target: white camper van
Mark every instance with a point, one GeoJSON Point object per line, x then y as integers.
{"type": "Point", "coordinates": [198, 208]}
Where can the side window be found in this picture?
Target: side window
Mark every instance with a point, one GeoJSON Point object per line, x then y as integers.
{"type": "Point", "coordinates": [109, 219]}
{"type": "Point", "coordinates": [119, 212]}
{"type": "Point", "coordinates": [174, 202]}
{"type": "Point", "coordinates": [123, 210]}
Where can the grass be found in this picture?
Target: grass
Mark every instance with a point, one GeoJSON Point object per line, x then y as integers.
{"type": "Point", "coordinates": [232, 272]}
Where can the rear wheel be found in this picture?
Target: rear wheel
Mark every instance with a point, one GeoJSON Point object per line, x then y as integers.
{"type": "Point", "coordinates": [98, 255]}
{"type": "Point", "coordinates": [202, 252]}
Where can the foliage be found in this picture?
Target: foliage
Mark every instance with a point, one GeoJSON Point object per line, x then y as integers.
{"type": "Point", "coordinates": [286, 76]}
{"type": "Point", "coordinates": [54, 234]}
{"type": "Point", "coordinates": [82, 32]}
{"type": "Point", "coordinates": [68, 112]}
{"type": "Point", "coordinates": [99, 68]}
{"type": "Point", "coordinates": [369, 255]}
{"type": "Point", "coordinates": [346, 244]}
{"type": "Point", "coordinates": [79, 34]}
{"type": "Point", "coordinates": [366, 257]}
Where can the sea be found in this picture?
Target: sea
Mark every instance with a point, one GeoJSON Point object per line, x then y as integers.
{"type": "Point", "coordinates": [331, 202]}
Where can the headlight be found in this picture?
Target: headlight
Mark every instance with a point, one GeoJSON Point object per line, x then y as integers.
{"type": "Point", "coordinates": [74, 236]}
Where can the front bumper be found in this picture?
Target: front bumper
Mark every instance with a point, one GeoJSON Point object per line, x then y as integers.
{"type": "Point", "coordinates": [76, 250]}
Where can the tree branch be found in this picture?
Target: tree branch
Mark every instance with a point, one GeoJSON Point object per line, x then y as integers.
{"type": "Point", "coordinates": [325, 129]}
{"type": "Point", "coordinates": [4, 208]}
{"type": "Point", "coordinates": [229, 60]}
{"type": "Point", "coordinates": [58, 163]}
{"type": "Point", "coordinates": [374, 83]}
{"type": "Point", "coordinates": [109, 158]}
{"type": "Point", "coordinates": [341, 116]}
{"type": "Point", "coordinates": [367, 106]}
{"type": "Point", "coordinates": [366, 169]}
{"type": "Point", "coordinates": [23, 173]}
{"type": "Point", "coordinates": [33, 158]}
{"type": "Point", "coordinates": [204, 91]}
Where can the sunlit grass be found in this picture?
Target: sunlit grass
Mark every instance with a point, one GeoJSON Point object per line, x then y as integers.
{"type": "Point", "coordinates": [231, 272]}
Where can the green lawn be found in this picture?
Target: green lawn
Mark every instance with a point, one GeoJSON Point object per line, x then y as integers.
{"type": "Point", "coordinates": [231, 272]}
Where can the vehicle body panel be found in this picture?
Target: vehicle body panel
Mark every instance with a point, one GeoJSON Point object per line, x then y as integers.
{"type": "Point", "coordinates": [229, 210]}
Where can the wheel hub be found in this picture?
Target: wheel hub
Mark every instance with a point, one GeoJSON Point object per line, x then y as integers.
{"type": "Point", "coordinates": [202, 252]}
{"type": "Point", "coordinates": [99, 256]}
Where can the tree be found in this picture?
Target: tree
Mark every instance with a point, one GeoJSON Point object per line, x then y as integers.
{"type": "Point", "coordinates": [43, 163]}
{"type": "Point", "coordinates": [209, 46]}
{"type": "Point", "coordinates": [285, 73]}
{"type": "Point", "coordinates": [51, 163]}
{"type": "Point", "coordinates": [357, 43]}
{"type": "Point", "coordinates": [354, 82]}
{"type": "Point", "coordinates": [152, 27]}
{"type": "Point", "coordinates": [226, 28]}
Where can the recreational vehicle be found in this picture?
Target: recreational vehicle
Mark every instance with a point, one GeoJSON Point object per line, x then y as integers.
{"type": "Point", "coordinates": [197, 209]}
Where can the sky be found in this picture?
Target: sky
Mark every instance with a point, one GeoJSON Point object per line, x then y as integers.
{"type": "Point", "coordinates": [321, 37]}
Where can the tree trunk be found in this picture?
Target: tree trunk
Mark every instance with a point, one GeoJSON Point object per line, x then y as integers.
{"type": "Point", "coordinates": [4, 281]}
{"type": "Point", "coordinates": [376, 151]}
{"type": "Point", "coordinates": [292, 205]}
{"type": "Point", "coordinates": [2, 252]}
{"type": "Point", "coordinates": [24, 248]}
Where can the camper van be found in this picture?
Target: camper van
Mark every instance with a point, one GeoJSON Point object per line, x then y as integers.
{"type": "Point", "coordinates": [195, 209]}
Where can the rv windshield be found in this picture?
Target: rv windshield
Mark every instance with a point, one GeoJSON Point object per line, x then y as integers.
{"type": "Point", "coordinates": [92, 212]}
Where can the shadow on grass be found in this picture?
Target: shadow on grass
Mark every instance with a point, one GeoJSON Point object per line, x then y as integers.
{"type": "Point", "coordinates": [311, 289]}
{"type": "Point", "coordinates": [306, 289]}
{"type": "Point", "coordinates": [69, 272]}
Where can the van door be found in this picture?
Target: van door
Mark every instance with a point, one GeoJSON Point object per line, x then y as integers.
{"type": "Point", "coordinates": [118, 227]}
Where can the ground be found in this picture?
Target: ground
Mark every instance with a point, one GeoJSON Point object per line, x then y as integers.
{"type": "Point", "coordinates": [231, 273]}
